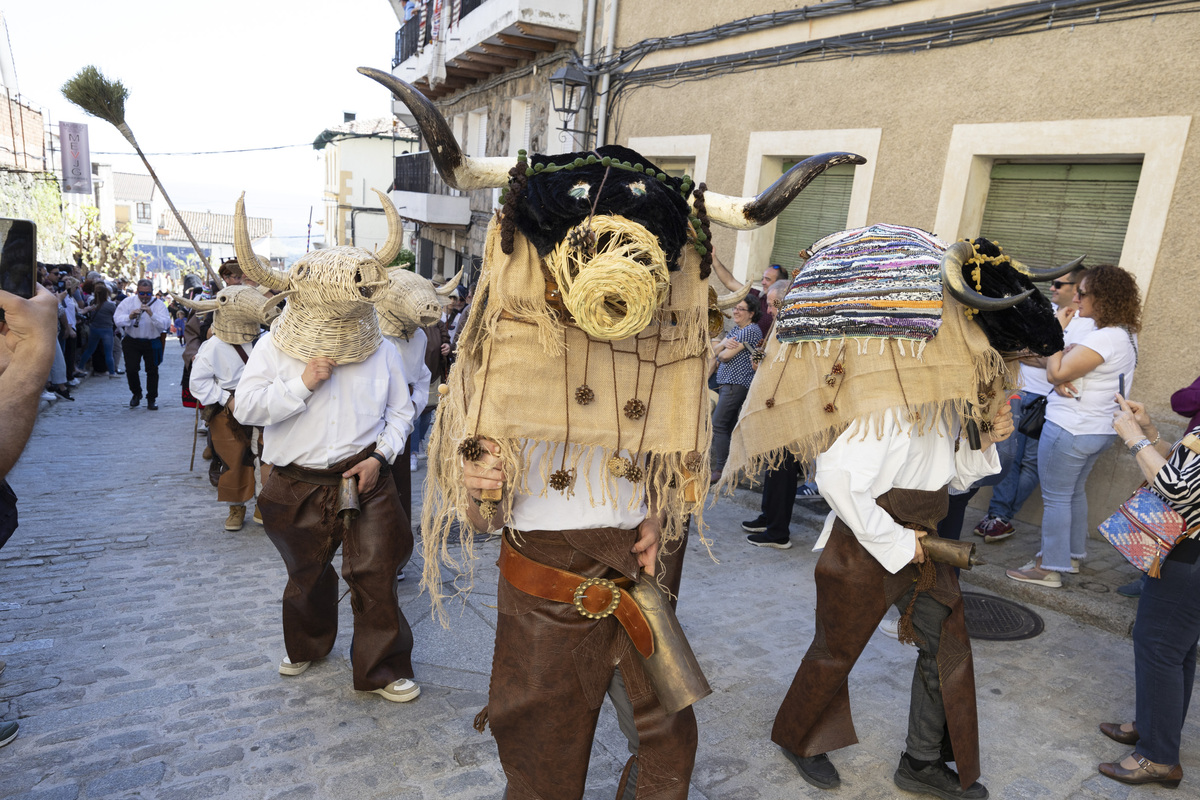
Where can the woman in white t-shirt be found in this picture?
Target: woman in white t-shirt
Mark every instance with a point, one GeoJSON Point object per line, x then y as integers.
{"type": "Point", "coordinates": [1079, 413]}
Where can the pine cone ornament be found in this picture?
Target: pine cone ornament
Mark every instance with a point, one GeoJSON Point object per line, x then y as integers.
{"type": "Point", "coordinates": [584, 395]}
{"type": "Point", "coordinates": [635, 409]}
{"type": "Point", "coordinates": [693, 461]}
{"type": "Point", "coordinates": [633, 473]}
{"type": "Point", "coordinates": [561, 479]}
{"type": "Point", "coordinates": [618, 466]}
{"type": "Point", "coordinates": [471, 449]}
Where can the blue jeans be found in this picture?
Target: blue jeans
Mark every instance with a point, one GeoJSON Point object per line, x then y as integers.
{"type": "Point", "coordinates": [101, 338]}
{"type": "Point", "coordinates": [423, 423]}
{"type": "Point", "coordinates": [1064, 463]}
{"type": "Point", "coordinates": [725, 416]}
{"type": "Point", "coordinates": [1018, 467]}
{"type": "Point", "coordinates": [1164, 653]}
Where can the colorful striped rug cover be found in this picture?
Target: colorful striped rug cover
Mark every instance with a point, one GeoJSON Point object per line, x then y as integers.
{"type": "Point", "coordinates": [878, 281]}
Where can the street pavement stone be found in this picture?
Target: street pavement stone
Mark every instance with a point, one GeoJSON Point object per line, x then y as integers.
{"type": "Point", "coordinates": [142, 643]}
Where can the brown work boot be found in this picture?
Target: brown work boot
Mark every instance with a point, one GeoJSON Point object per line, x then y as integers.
{"type": "Point", "coordinates": [236, 518]}
{"type": "Point", "coordinates": [257, 515]}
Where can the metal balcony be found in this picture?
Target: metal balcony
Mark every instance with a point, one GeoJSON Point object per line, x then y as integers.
{"type": "Point", "coordinates": [420, 194]}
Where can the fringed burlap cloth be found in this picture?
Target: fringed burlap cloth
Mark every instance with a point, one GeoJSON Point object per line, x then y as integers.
{"type": "Point", "coordinates": [807, 394]}
{"type": "Point", "coordinates": [516, 379]}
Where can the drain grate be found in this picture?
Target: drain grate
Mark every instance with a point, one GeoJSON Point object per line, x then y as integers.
{"type": "Point", "coordinates": [998, 619]}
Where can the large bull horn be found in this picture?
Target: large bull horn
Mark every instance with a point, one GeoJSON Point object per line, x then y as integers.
{"type": "Point", "coordinates": [733, 298]}
{"type": "Point", "coordinates": [457, 170]}
{"type": "Point", "coordinates": [248, 260]}
{"type": "Point", "coordinates": [395, 240]}
{"type": "Point", "coordinates": [449, 286]}
{"type": "Point", "coordinates": [953, 259]}
{"type": "Point", "coordinates": [199, 306]}
{"type": "Point", "coordinates": [1047, 274]}
{"type": "Point", "coordinates": [747, 213]}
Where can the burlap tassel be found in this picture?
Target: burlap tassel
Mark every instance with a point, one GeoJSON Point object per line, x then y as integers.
{"type": "Point", "coordinates": [925, 582]}
{"type": "Point", "coordinates": [481, 720]}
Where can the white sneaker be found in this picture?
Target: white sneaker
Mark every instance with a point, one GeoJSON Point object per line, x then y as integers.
{"type": "Point", "coordinates": [73, 382]}
{"type": "Point", "coordinates": [1036, 563]}
{"type": "Point", "coordinates": [413, 464]}
{"type": "Point", "coordinates": [400, 691]}
{"type": "Point", "coordinates": [49, 397]}
{"type": "Point", "coordinates": [286, 667]}
{"type": "Point", "coordinates": [891, 627]}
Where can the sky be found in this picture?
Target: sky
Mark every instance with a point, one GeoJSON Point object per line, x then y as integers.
{"type": "Point", "coordinates": [217, 75]}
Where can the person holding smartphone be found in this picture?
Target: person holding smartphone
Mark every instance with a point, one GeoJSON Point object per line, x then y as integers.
{"type": "Point", "coordinates": [144, 319]}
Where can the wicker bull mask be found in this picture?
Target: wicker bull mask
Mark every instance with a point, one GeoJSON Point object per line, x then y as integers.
{"type": "Point", "coordinates": [239, 312]}
{"type": "Point", "coordinates": [411, 302]}
{"type": "Point", "coordinates": [330, 311]}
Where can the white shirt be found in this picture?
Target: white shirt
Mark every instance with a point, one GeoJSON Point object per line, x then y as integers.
{"type": "Point", "coordinates": [148, 327]}
{"type": "Point", "coordinates": [856, 469]}
{"type": "Point", "coordinates": [216, 370]}
{"type": "Point", "coordinates": [412, 353]}
{"type": "Point", "coordinates": [1091, 412]}
{"type": "Point", "coordinates": [556, 512]}
{"type": "Point", "coordinates": [69, 307]}
{"type": "Point", "coordinates": [361, 404]}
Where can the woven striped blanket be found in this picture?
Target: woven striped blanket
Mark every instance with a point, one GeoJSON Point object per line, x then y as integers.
{"type": "Point", "coordinates": [878, 281]}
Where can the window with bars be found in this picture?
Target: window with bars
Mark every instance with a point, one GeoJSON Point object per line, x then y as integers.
{"type": "Point", "coordinates": [143, 212]}
{"type": "Point", "coordinates": [821, 209]}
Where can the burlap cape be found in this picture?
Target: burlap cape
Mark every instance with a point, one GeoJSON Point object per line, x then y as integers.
{"type": "Point", "coordinates": [515, 379]}
{"type": "Point", "coordinates": [799, 403]}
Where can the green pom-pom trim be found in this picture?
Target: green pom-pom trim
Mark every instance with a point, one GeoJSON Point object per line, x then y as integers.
{"type": "Point", "coordinates": [638, 168]}
{"type": "Point", "coordinates": [592, 160]}
{"type": "Point", "coordinates": [579, 162]}
{"type": "Point", "coordinates": [529, 172]}
{"type": "Point", "coordinates": [627, 165]}
{"type": "Point", "coordinates": [700, 237]}
{"type": "Point", "coordinates": [539, 167]}
{"type": "Point", "coordinates": [662, 176]}
{"type": "Point", "coordinates": [521, 154]}
{"type": "Point", "coordinates": [606, 161]}
{"type": "Point", "coordinates": [701, 249]}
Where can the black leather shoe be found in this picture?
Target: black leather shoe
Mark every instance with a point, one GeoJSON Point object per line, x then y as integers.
{"type": "Point", "coordinates": [152, 406]}
{"type": "Point", "coordinates": [1113, 731]}
{"type": "Point", "coordinates": [134, 401]}
{"type": "Point", "coordinates": [1169, 775]}
{"type": "Point", "coordinates": [817, 770]}
{"type": "Point", "coordinates": [935, 779]}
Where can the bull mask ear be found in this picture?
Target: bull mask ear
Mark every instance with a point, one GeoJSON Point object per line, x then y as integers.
{"type": "Point", "coordinates": [953, 259]}
{"type": "Point", "coordinates": [199, 306]}
{"type": "Point", "coordinates": [450, 285]}
{"type": "Point", "coordinates": [733, 298]}
{"type": "Point", "coordinates": [271, 303]}
{"type": "Point", "coordinates": [747, 213]}
{"type": "Point", "coordinates": [248, 260]}
{"type": "Point", "coordinates": [1047, 274]}
{"type": "Point", "coordinates": [457, 170]}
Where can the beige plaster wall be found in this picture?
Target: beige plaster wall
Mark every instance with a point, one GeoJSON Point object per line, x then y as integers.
{"type": "Point", "coordinates": [1140, 68]}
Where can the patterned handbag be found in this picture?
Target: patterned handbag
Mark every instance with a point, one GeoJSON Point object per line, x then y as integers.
{"type": "Point", "coordinates": [1144, 530]}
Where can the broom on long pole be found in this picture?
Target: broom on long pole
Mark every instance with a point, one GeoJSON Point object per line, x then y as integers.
{"type": "Point", "coordinates": [105, 99]}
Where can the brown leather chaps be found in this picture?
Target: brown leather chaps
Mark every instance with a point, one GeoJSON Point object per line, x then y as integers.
{"type": "Point", "coordinates": [300, 519]}
{"type": "Point", "coordinates": [236, 484]}
{"type": "Point", "coordinates": [853, 593]}
{"type": "Point", "coordinates": [552, 668]}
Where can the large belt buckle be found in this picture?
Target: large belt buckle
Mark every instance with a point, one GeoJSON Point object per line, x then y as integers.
{"type": "Point", "coordinates": [581, 590]}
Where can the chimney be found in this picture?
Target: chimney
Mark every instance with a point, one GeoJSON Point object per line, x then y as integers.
{"type": "Point", "coordinates": [347, 116]}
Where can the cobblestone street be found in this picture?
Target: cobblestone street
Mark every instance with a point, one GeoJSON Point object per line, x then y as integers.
{"type": "Point", "coordinates": [142, 641]}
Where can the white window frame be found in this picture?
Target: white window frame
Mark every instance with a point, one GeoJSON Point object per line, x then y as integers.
{"type": "Point", "coordinates": [1160, 141]}
{"type": "Point", "coordinates": [765, 154]}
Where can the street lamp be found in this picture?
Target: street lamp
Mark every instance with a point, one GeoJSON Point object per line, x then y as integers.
{"type": "Point", "coordinates": [569, 89]}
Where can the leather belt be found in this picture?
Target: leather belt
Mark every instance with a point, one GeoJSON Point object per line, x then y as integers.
{"type": "Point", "coordinates": [586, 594]}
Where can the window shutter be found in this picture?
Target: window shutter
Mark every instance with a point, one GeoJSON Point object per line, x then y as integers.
{"type": "Point", "coordinates": [821, 209]}
{"type": "Point", "coordinates": [1044, 215]}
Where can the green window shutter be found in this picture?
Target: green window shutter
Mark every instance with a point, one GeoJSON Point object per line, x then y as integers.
{"type": "Point", "coordinates": [1044, 215]}
{"type": "Point", "coordinates": [821, 209]}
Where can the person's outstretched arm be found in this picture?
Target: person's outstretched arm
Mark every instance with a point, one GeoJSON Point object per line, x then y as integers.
{"type": "Point", "coordinates": [27, 338]}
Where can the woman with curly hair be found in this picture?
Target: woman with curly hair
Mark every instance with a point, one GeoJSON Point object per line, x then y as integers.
{"type": "Point", "coordinates": [1096, 363]}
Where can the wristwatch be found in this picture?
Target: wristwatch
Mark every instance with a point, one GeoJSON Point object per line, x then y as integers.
{"type": "Point", "coordinates": [1136, 446]}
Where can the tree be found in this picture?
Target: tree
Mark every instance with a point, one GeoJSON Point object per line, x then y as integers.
{"type": "Point", "coordinates": [111, 255]}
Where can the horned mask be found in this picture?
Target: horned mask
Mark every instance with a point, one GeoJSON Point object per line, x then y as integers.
{"type": "Point", "coordinates": [238, 312]}
{"type": "Point", "coordinates": [411, 302]}
{"type": "Point", "coordinates": [330, 312]}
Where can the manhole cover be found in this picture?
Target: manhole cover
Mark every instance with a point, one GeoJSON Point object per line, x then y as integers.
{"type": "Point", "coordinates": [998, 619]}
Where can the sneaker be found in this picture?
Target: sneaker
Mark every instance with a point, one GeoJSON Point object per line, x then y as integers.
{"type": "Point", "coordinates": [290, 668]}
{"type": "Point", "coordinates": [400, 691]}
{"type": "Point", "coordinates": [1051, 580]}
{"type": "Point", "coordinates": [935, 779]}
{"type": "Point", "coordinates": [64, 393]}
{"type": "Point", "coordinates": [413, 464]}
{"type": "Point", "coordinates": [761, 540]}
{"type": "Point", "coordinates": [421, 456]}
{"type": "Point", "coordinates": [890, 627]}
{"type": "Point", "coordinates": [805, 493]}
{"type": "Point", "coordinates": [120, 372]}
{"type": "Point", "coordinates": [1131, 589]}
{"type": "Point", "coordinates": [236, 518]}
{"type": "Point", "coordinates": [756, 525]}
{"type": "Point", "coordinates": [816, 770]}
{"type": "Point", "coordinates": [1037, 564]}
{"type": "Point", "coordinates": [49, 397]}
{"type": "Point", "coordinates": [994, 529]}
{"type": "Point", "coordinates": [257, 517]}
{"type": "Point", "coordinates": [8, 732]}
{"type": "Point", "coordinates": [112, 374]}
{"type": "Point", "coordinates": [73, 382]}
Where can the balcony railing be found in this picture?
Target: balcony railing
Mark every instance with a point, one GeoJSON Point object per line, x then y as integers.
{"type": "Point", "coordinates": [415, 34]}
{"type": "Point", "coordinates": [414, 173]}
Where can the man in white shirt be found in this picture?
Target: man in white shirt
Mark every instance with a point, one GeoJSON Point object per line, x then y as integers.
{"type": "Point", "coordinates": [143, 319]}
{"type": "Point", "coordinates": [888, 489]}
{"type": "Point", "coordinates": [324, 421]}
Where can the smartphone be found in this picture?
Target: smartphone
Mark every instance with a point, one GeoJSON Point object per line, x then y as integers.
{"type": "Point", "coordinates": [1121, 384]}
{"type": "Point", "coordinates": [18, 257]}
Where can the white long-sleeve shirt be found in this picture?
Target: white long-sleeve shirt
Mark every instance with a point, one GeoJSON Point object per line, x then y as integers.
{"type": "Point", "coordinates": [361, 404]}
{"type": "Point", "coordinates": [148, 327]}
{"type": "Point", "coordinates": [856, 469]}
{"type": "Point", "coordinates": [412, 353]}
{"type": "Point", "coordinates": [216, 370]}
